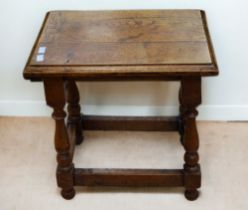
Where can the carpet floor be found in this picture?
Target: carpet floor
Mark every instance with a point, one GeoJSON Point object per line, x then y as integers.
{"type": "Point", "coordinates": [27, 162]}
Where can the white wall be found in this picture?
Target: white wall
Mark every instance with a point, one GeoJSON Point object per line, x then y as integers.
{"type": "Point", "coordinates": [224, 97]}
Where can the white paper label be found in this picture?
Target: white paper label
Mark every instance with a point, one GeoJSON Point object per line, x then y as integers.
{"type": "Point", "coordinates": [39, 58]}
{"type": "Point", "coordinates": [42, 50]}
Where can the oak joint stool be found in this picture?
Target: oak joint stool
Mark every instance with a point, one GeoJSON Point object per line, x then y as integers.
{"type": "Point", "coordinates": [136, 45]}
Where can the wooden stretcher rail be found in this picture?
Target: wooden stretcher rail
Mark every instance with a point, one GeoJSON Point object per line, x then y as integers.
{"type": "Point", "coordinates": [129, 177]}
{"type": "Point", "coordinates": [130, 123]}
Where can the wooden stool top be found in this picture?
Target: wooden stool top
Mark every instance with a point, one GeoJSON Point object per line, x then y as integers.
{"type": "Point", "coordinates": [132, 44]}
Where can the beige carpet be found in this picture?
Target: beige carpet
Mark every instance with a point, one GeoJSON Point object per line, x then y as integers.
{"type": "Point", "coordinates": [27, 162]}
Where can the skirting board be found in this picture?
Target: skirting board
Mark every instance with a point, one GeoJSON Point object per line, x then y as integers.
{"type": "Point", "coordinates": [206, 112]}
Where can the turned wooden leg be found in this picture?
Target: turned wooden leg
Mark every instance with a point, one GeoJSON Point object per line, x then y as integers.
{"type": "Point", "coordinates": [190, 99]}
{"type": "Point", "coordinates": [74, 118]}
{"type": "Point", "coordinates": [55, 97]}
{"type": "Point", "coordinates": [181, 121]}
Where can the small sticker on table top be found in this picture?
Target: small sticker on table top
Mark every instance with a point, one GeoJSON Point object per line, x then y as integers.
{"type": "Point", "coordinates": [42, 50]}
{"type": "Point", "coordinates": [39, 58]}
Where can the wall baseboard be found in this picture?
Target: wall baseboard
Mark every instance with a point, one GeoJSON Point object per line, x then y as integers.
{"type": "Point", "coordinates": [207, 112]}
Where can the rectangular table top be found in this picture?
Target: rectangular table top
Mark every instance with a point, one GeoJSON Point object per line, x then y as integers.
{"type": "Point", "coordinates": [83, 44]}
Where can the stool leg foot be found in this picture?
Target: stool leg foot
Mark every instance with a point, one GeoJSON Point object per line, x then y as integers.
{"type": "Point", "coordinates": [68, 193]}
{"type": "Point", "coordinates": [191, 194]}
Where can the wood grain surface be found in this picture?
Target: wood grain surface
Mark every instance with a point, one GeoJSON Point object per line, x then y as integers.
{"type": "Point", "coordinates": [85, 43]}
